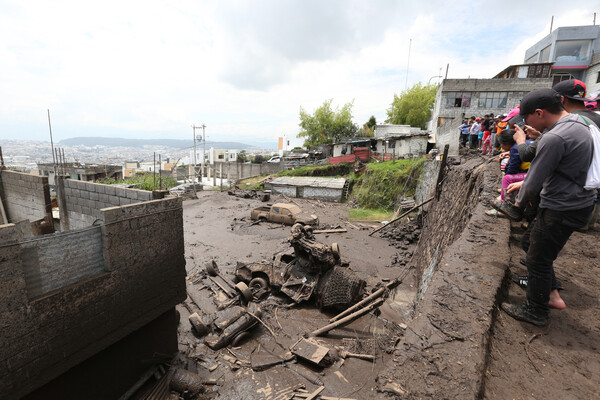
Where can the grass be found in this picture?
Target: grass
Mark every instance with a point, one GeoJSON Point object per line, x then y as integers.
{"type": "Point", "coordinates": [370, 214]}
{"type": "Point", "coordinates": [144, 181]}
{"type": "Point", "coordinates": [252, 183]}
{"type": "Point", "coordinates": [381, 185]}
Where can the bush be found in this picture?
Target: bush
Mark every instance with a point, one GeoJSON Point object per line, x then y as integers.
{"type": "Point", "coordinates": [382, 184]}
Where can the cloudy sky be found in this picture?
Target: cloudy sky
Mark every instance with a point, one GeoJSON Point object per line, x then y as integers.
{"type": "Point", "coordinates": [151, 69]}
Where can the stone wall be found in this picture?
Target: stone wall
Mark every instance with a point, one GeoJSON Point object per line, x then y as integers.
{"type": "Point", "coordinates": [143, 277]}
{"type": "Point", "coordinates": [25, 197]}
{"type": "Point", "coordinates": [85, 200]}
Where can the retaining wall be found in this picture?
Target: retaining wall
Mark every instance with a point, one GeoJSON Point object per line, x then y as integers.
{"type": "Point", "coordinates": [462, 260]}
{"type": "Point", "coordinates": [143, 276]}
{"type": "Point", "coordinates": [25, 197]}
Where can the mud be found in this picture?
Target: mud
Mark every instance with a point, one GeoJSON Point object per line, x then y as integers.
{"type": "Point", "coordinates": [218, 226]}
{"type": "Point", "coordinates": [455, 344]}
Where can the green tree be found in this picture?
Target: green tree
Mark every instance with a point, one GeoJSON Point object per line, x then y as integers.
{"type": "Point", "coordinates": [368, 129]}
{"type": "Point", "coordinates": [413, 106]}
{"type": "Point", "coordinates": [242, 156]}
{"type": "Point", "coordinates": [326, 125]}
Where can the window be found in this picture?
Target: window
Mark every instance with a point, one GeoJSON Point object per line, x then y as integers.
{"type": "Point", "coordinates": [458, 99]}
{"type": "Point", "coordinates": [545, 54]}
{"type": "Point", "coordinates": [572, 50]}
{"type": "Point", "coordinates": [492, 99]}
{"type": "Point", "coordinates": [560, 78]}
{"type": "Point", "coordinates": [532, 59]}
{"type": "Point", "coordinates": [538, 71]}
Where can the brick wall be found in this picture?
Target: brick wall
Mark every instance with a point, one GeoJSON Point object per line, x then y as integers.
{"type": "Point", "coordinates": [143, 277]}
{"type": "Point", "coordinates": [25, 197]}
{"type": "Point", "coordinates": [86, 199]}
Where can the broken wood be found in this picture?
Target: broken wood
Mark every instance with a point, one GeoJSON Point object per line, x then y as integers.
{"type": "Point", "coordinates": [199, 325]}
{"type": "Point", "coordinates": [228, 291]}
{"type": "Point", "coordinates": [341, 230]}
{"type": "Point", "coordinates": [349, 318]}
{"type": "Point", "coordinates": [310, 351]}
{"type": "Point", "coordinates": [305, 395]}
{"type": "Point", "coordinates": [400, 217]}
{"type": "Point", "coordinates": [358, 305]}
{"type": "Point", "coordinates": [314, 394]}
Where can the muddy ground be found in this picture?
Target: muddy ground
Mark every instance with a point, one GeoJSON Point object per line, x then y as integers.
{"type": "Point", "coordinates": [525, 362]}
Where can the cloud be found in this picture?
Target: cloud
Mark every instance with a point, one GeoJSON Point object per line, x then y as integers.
{"type": "Point", "coordinates": [151, 68]}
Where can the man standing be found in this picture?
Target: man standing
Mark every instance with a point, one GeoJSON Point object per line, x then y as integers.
{"type": "Point", "coordinates": [474, 132]}
{"type": "Point", "coordinates": [559, 170]}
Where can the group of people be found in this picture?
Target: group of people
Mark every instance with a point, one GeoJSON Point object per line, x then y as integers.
{"type": "Point", "coordinates": [547, 149]}
{"type": "Point", "coordinates": [482, 133]}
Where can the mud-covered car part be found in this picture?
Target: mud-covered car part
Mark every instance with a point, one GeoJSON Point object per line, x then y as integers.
{"type": "Point", "coordinates": [339, 288]}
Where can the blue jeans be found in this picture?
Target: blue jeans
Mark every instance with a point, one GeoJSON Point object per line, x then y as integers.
{"type": "Point", "coordinates": [550, 232]}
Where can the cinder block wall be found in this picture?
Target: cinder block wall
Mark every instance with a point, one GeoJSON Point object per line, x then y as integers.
{"type": "Point", "coordinates": [86, 199]}
{"type": "Point", "coordinates": [25, 197]}
{"type": "Point", "coordinates": [144, 277]}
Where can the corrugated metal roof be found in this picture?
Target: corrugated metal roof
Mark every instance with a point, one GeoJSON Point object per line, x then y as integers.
{"type": "Point", "coordinates": [332, 183]}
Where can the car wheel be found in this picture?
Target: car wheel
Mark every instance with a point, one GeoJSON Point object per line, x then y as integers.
{"type": "Point", "coordinates": [244, 291]}
{"type": "Point", "coordinates": [259, 288]}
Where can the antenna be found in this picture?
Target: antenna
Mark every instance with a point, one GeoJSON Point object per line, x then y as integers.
{"type": "Point", "coordinates": [407, 64]}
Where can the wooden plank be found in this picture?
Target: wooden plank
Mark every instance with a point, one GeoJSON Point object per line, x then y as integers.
{"type": "Point", "coordinates": [341, 230]}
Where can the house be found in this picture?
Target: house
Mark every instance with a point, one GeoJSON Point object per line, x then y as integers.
{"type": "Point", "coordinates": [571, 52]}
{"type": "Point", "coordinates": [81, 172]}
{"type": "Point", "coordinates": [389, 142]}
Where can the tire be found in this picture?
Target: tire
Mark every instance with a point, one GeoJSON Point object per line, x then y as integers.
{"type": "Point", "coordinates": [262, 219]}
{"type": "Point", "coordinates": [335, 249]}
{"type": "Point", "coordinates": [211, 268]}
{"type": "Point", "coordinates": [240, 338]}
{"type": "Point", "coordinates": [244, 291]}
{"type": "Point", "coordinates": [259, 288]}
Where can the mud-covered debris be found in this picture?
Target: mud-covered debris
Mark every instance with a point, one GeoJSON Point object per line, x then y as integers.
{"type": "Point", "coordinates": [228, 328]}
{"type": "Point", "coordinates": [186, 382]}
{"type": "Point", "coordinates": [311, 351]}
{"type": "Point", "coordinates": [298, 275]}
{"type": "Point", "coordinates": [199, 325]}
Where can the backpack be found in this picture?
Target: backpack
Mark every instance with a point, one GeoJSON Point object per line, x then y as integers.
{"type": "Point", "coordinates": [593, 176]}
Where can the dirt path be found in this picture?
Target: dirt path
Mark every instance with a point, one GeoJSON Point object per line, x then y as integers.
{"type": "Point", "coordinates": [559, 361]}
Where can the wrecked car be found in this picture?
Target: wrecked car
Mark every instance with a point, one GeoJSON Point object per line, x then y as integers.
{"type": "Point", "coordinates": [312, 267]}
{"type": "Point", "coordinates": [283, 213]}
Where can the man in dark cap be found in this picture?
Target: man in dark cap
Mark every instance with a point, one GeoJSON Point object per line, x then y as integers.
{"type": "Point", "coordinates": [557, 174]}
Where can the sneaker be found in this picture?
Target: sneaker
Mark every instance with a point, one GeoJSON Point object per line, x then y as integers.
{"type": "Point", "coordinates": [520, 280]}
{"type": "Point", "coordinates": [513, 212]}
{"type": "Point", "coordinates": [524, 312]}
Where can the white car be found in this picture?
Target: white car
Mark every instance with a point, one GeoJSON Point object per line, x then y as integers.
{"type": "Point", "coordinates": [275, 159]}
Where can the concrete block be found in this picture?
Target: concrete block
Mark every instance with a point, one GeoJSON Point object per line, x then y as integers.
{"type": "Point", "coordinates": [110, 190]}
{"type": "Point", "coordinates": [94, 196]}
{"type": "Point", "coordinates": [103, 198]}
{"type": "Point", "coordinates": [131, 194]}
{"type": "Point", "coordinates": [101, 188]}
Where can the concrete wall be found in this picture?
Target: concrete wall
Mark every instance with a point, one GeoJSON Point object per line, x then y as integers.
{"type": "Point", "coordinates": [51, 262]}
{"type": "Point", "coordinates": [591, 75]}
{"type": "Point", "coordinates": [85, 200]}
{"type": "Point", "coordinates": [143, 277]}
{"type": "Point", "coordinates": [25, 197]}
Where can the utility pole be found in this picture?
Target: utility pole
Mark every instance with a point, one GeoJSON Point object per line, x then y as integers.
{"type": "Point", "coordinates": [194, 127]}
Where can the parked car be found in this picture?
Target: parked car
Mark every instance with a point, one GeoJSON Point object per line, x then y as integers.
{"type": "Point", "coordinates": [275, 159]}
{"type": "Point", "coordinates": [287, 214]}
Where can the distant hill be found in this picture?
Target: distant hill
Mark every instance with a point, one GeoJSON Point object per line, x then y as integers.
{"type": "Point", "coordinates": [175, 143]}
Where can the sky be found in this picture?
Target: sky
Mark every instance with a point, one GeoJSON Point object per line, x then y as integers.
{"type": "Point", "coordinates": [151, 69]}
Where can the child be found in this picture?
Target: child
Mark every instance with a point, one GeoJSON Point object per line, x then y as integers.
{"type": "Point", "coordinates": [515, 169]}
